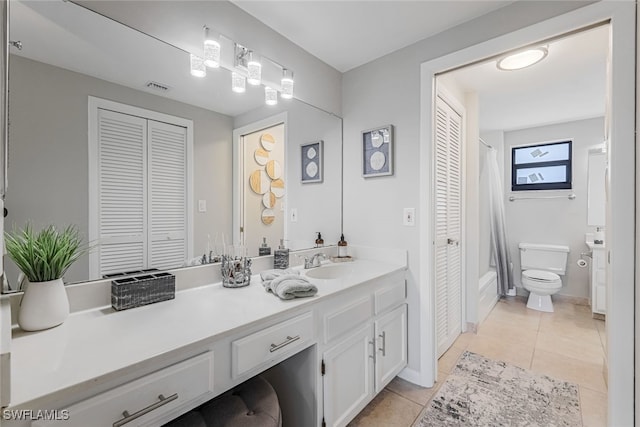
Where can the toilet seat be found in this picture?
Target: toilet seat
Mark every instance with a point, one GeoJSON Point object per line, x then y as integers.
{"type": "Point", "coordinates": [541, 276]}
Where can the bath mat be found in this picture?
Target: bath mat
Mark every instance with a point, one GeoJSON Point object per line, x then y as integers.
{"type": "Point", "coordinates": [485, 392]}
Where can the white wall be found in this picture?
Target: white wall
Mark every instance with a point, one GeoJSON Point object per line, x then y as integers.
{"type": "Point", "coordinates": [555, 221]}
{"type": "Point", "coordinates": [387, 91]}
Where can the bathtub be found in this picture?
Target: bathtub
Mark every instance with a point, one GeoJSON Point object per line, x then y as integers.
{"type": "Point", "coordinates": [487, 294]}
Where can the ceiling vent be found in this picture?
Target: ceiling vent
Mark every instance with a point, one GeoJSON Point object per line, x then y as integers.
{"type": "Point", "coordinates": [158, 86]}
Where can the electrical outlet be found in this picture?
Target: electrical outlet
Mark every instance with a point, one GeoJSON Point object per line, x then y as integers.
{"type": "Point", "coordinates": [202, 205]}
{"type": "Point", "coordinates": [294, 215]}
{"type": "Point", "coordinates": [409, 217]}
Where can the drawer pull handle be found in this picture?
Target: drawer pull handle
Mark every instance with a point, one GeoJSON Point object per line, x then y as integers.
{"type": "Point", "coordinates": [289, 340]}
{"type": "Point", "coordinates": [130, 417]}
{"type": "Point", "coordinates": [383, 335]}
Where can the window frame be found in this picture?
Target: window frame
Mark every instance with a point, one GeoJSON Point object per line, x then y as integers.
{"type": "Point", "coordinates": [565, 185]}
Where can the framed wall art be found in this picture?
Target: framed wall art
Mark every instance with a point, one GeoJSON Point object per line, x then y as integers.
{"type": "Point", "coordinates": [311, 161]}
{"type": "Point", "coordinates": [377, 151]}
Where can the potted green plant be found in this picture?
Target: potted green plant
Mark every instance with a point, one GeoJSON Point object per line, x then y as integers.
{"type": "Point", "coordinates": [44, 257]}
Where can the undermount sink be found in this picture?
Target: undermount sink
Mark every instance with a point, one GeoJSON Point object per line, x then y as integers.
{"type": "Point", "coordinates": [328, 272]}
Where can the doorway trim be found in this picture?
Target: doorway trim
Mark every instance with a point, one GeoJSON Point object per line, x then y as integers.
{"type": "Point", "coordinates": [620, 332]}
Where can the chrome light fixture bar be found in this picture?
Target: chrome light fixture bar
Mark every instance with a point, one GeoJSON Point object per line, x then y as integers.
{"type": "Point", "coordinates": [247, 66]}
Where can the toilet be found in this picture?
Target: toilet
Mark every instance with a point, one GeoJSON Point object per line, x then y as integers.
{"type": "Point", "coordinates": [542, 265]}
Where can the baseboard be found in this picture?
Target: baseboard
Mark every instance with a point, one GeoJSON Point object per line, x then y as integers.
{"type": "Point", "coordinates": [413, 377]}
{"type": "Point", "coordinates": [472, 327]}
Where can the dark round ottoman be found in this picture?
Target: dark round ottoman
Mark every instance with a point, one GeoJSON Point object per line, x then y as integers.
{"type": "Point", "coordinates": [253, 403]}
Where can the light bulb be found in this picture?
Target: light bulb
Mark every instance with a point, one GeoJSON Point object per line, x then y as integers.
{"type": "Point", "coordinates": [286, 84]}
{"type": "Point", "coordinates": [212, 53]}
{"type": "Point", "coordinates": [197, 66]}
{"type": "Point", "coordinates": [254, 70]}
{"type": "Point", "coordinates": [211, 49]}
{"type": "Point", "coordinates": [270, 96]}
{"type": "Point", "coordinates": [238, 82]}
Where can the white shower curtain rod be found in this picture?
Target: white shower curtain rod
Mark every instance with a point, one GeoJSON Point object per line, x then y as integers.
{"type": "Point", "coordinates": [570, 197]}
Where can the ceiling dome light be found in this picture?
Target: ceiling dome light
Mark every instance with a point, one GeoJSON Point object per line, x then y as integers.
{"type": "Point", "coordinates": [197, 66]}
{"type": "Point", "coordinates": [211, 50]}
{"type": "Point", "coordinates": [270, 96]}
{"type": "Point", "coordinates": [286, 89]}
{"type": "Point", "coordinates": [254, 69]}
{"type": "Point", "coordinates": [524, 58]}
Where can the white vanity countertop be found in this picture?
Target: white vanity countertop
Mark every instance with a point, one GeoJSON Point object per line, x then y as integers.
{"type": "Point", "coordinates": [95, 343]}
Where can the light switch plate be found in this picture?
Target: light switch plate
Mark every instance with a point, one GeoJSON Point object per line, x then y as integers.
{"type": "Point", "coordinates": [409, 217]}
{"type": "Point", "coordinates": [202, 205]}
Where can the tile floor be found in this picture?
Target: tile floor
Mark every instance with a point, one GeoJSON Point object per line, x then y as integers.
{"type": "Point", "coordinates": [567, 344]}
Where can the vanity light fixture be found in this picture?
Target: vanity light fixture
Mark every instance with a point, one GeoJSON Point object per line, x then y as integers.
{"type": "Point", "coordinates": [238, 82]}
{"type": "Point", "coordinates": [254, 69]}
{"type": "Point", "coordinates": [286, 84]}
{"type": "Point", "coordinates": [522, 59]}
{"type": "Point", "coordinates": [211, 50]}
{"type": "Point", "coordinates": [198, 68]}
{"type": "Point", "coordinates": [270, 96]}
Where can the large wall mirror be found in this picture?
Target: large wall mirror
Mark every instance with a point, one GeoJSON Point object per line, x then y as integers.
{"type": "Point", "coordinates": [84, 88]}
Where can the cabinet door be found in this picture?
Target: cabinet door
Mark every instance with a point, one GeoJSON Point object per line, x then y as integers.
{"type": "Point", "coordinates": [391, 346]}
{"type": "Point", "coordinates": [348, 378]}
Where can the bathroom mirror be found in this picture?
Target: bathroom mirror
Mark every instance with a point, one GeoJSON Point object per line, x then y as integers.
{"type": "Point", "coordinates": [70, 55]}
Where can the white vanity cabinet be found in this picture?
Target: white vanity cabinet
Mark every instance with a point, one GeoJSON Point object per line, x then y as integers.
{"type": "Point", "coordinates": [598, 280]}
{"type": "Point", "coordinates": [337, 349]}
{"type": "Point", "coordinates": [362, 362]}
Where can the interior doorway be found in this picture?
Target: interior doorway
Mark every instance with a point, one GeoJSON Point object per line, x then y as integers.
{"type": "Point", "coordinates": [621, 154]}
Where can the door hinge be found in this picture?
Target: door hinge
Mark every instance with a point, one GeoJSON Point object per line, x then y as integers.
{"type": "Point", "coordinates": [322, 368]}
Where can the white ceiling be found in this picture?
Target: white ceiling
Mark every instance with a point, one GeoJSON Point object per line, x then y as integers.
{"type": "Point", "coordinates": [569, 84]}
{"type": "Point", "coordinates": [346, 34]}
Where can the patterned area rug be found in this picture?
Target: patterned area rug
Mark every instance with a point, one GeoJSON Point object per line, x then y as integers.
{"type": "Point", "coordinates": [485, 392]}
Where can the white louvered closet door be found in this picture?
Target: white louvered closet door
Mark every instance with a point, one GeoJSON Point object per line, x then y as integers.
{"type": "Point", "coordinates": [448, 225]}
{"type": "Point", "coordinates": [122, 212]}
{"type": "Point", "coordinates": [167, 232]}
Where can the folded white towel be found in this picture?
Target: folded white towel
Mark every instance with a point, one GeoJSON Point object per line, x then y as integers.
{"type": "Point", "coordinates": [287, 284]}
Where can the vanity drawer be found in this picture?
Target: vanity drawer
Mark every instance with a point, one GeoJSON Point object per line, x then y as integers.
{"type": "Point", "coordinates": [269, 344]}
{"type": "Point", "coordinates": [346, 318]}
{"type": "Point", "coordinates": [182, 386]}
{"type": "Point", "coordinates": [390, 296]}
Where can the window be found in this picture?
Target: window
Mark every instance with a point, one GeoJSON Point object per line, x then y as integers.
{"type": "Point", "coordinates": [541, 166]}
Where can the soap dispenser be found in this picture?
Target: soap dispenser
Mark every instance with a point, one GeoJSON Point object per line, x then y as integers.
{"type": "Point", "coordinates": [319, 240]}
{"type": "Point", "coordinates": [264, 249]}
{"type": "Point", "coordinates": [281, 257]}
{"type": "Point", "coordinates": [342, 247]}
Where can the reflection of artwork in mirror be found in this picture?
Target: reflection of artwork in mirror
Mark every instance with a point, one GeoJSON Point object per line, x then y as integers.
{"type": "Point", "coordinates": [377, 152]}
{"type": "Point", "coordinates": [268, 216]}
{"type": "Point", "coordinates": [277, 188]}
{"type": "Point", "coordinates": [274, 170]}
{"type": "Point", "coordinates": [259, 181]}
{"type": "Point", "coordinates": [262, 156]}
{"type": "Point", "coordinates": [269, 200]}
{"type": "Point", "coordinates": [268, 141]}
{"type": "Point", "coordinates": [311, 162]}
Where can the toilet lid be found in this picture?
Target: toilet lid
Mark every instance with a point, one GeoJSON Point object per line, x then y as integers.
{"type": "Point", "coordinates": [540, 275]}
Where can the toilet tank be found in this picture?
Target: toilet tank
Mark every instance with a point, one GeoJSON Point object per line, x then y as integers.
{"type": "Point", "coordinates": [543, 257]}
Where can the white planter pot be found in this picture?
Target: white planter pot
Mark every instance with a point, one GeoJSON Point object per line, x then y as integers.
{"type": "Point", "coordinates": [44, 305]}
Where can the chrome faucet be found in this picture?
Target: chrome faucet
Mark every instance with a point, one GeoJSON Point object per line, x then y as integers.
{"type": "Point", "coordinates": [314, 261]}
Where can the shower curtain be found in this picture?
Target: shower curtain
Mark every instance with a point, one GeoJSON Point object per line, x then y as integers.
{"type": "Point", "coordinates": [499, 244]}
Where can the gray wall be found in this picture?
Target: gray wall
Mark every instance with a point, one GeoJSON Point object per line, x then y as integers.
{"type": "Point", "coordinates": [387, 91]}
{"type": "Point", "coordinates": [48, 157]}
{"type": "Point", "coordinates": [554, 221]}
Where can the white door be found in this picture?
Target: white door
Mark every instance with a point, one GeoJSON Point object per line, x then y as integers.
{"type": "Point", "coordinates": [391, 338]}
{"type": "Point", "coordinates": [348, 377]}
{"type": "Point", "coordinates": [448, 224]}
